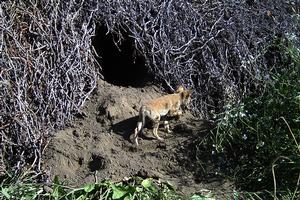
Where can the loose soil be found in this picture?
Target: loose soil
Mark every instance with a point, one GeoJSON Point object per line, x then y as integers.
{"type": "Point", "coordinates": [99, 144]}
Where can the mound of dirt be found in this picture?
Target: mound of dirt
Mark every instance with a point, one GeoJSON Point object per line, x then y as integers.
{"type": "Point", "coordinates": [99, 145]}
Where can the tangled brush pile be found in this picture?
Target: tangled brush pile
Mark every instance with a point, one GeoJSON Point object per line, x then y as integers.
{"type": "Point", "coordinates": [48, 67]}
{"type": "Point", "coordinates": [47, 72]}
{"type": "Point", "coordinates": [214, 47]}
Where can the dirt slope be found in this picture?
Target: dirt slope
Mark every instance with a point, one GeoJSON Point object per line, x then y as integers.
{"type": "Point", "coordinates": [99, 144]}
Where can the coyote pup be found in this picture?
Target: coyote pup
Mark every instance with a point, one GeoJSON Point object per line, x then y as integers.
{"type": "Point", "coordinates": [168, 105]}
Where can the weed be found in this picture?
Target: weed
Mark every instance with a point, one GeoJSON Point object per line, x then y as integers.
{"type": "Point", "coordinates": [131, 189]}
{"type": "Point", "coordinates": [257, 142]}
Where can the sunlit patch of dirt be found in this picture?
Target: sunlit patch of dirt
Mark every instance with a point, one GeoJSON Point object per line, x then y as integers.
{"type": "Point", "coordinates": [99, 145]}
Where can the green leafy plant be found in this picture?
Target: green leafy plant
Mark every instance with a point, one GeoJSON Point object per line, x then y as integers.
{"type": "Point", "coordinates": [134, 188]}
{"type": "Point", "coordinates": [257, 142]}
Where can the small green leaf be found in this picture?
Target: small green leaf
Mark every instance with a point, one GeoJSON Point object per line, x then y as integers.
{"type": "Point", "coordinates": [197, 197]}
{"type": "Point", "coordinates": [118, 192]}
{"type": "Point", "coordinates": [81, 197]}
{"type": "Point", "coordinates": [56, 180]}
{"type": "Point", "coordinates": [146, 183]}
{"type": "Point", "coordinates": [55, 193]}
{"type": "Point", "coordinates": [4, 191]}
{"type": "Point", "coordinates": [139, 189]}
{"type": "Point", "coordinates": [128, 198]}
{"type": "Point", "coordinates": [201, 197]}
{"type": "Point", "coordinates": [89, 187]}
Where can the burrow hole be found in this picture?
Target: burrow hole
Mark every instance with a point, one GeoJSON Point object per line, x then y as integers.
{"type": "Point", "coordinates": [120, 63]}
{"type": "Point", "coordinates": [97, 163]}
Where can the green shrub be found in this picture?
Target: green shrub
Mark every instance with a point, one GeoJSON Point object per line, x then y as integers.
{"type": "Point", "coordinates": [256, 143]}
{"type": "Point", "coordinates": [131, 189]}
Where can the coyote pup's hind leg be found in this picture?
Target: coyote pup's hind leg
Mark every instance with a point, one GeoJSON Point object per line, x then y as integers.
{"type": "Point", "coordinates": [136, 137]}
{"type": "Point", "coordinates": [155, 127]}
{"type": "Point", "coordinates": [137, 131]}
{"type": "Point", "coordinates": [140, 125]}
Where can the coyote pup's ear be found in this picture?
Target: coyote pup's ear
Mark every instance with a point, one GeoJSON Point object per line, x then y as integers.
{"type": "Point", "coordinates": [186, 94]}
{"type": "Point", "coordinates": [180, 89]}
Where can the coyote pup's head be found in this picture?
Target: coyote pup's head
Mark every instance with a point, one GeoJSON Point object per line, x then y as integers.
{"type": "Point", "coordinates": [180, 89]}
{"type": "Point", "coordinates": [185, 96]}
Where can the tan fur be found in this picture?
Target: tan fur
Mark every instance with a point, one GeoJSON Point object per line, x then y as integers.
{"type": "Point", "coordinates": [170, 105]}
